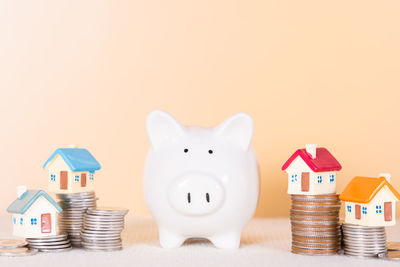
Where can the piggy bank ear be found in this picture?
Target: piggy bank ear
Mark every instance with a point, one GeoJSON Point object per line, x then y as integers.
{"type": "Point", "coordinates": [162, 128]}
{"type": "Point", "coordinates": [238, 129]}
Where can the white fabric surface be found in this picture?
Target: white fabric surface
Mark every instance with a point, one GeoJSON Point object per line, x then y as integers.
{"type": "Point", "coordinates": [265, 242]}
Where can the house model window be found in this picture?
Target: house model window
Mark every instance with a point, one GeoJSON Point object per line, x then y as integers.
{"type": "Point", "coordinates": [378, 209]}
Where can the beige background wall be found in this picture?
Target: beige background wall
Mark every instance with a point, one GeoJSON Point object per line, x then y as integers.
{"type": "Point", "coordinates": [88, 73]}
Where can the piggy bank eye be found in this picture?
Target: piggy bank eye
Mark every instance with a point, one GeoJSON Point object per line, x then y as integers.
{"type": "Point", "coordinates": [210, 151]}
{"type": "Point", "coordinates": [186, 150]}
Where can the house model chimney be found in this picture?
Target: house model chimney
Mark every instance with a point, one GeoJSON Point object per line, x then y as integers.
{"type": "Point", "coordinates": [21, 189]}
{"type": "Point", "coordinates": [312, 150]}
{"type": "Point", "coordinates": [386, 175]}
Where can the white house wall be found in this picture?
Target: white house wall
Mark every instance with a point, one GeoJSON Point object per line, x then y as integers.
{"type": "Point", "coordinates": [297, 167]}
{"type": "Point", "coordinates": [26, 229]}
{"type": "Point", "coordinates": [56, 166]}
{"type": "Point", "coordinates": [372, 218]}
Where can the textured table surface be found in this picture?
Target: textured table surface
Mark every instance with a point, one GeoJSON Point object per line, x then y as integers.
{"type": "Point", "coordinates": [265, 242]}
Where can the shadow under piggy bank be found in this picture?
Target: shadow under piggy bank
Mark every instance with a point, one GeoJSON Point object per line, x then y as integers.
{"type": "Point", "coordinates": [259, 233]}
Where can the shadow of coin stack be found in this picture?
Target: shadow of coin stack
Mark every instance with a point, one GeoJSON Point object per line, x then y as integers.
{"type": "Point", "coordinates": [363, 241]}
{"type": "Point", "coordinates": [71, 218]}
{"type": "Point", "coordinates": [102, 229]}
{"type": "Point", "coordinates": [315, 224]}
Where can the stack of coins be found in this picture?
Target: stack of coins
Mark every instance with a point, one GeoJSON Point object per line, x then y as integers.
{"type": "Point", "coordinates": [54, 243]}
{"type": "Point", "coordinates": [71, 218]}
{"type": "Point", "coordinates": [102, 229]}
{"type": "Point", "coordinates": [363, 241]}
{"type": "Point", "coordinates": [14, 248]}
{"type": "Point", "coordinates": [315, 224]}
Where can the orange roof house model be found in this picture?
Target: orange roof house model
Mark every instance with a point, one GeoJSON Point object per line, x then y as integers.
{"type": "Point", "coordinates": [370, 201]}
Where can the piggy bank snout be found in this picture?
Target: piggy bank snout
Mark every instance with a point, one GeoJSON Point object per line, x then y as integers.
{"type": "Point", "coordinates": [196, 194]}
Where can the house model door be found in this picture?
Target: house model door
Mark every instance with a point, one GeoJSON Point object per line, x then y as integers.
{"type": "Point", "coordinates": [388, 211]}
{"type": "Point", "coordinates": [358, 212]}
{"type": "Point", "coordinates": [46, 223]}
{"type": "Point", "coordinates": [63, 180]}
{"type": "Point", "coordinates": [305, 182]}
{"type": "Point", "coordinates": [83, 180]}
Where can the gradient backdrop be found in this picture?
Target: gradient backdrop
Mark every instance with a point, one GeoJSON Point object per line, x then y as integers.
{"type": "Point", "coordinates": [89, 72]}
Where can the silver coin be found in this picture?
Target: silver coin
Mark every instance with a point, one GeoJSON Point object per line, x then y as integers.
{"type": "Point", "coordinates": [364, 242]}
{"type": "Point", "coordinates": [74, 209]}
{"type": "Point", "coordinates": [12, 243]}
{"type": "Point", "coordinates": [76, 195]}
{"type": "Point", "coordinates": [108, 210]}
{"type": "Point", "coordinates": [313, 212]}
{"type": "Point", "coordinates": [77, 201]}
{"type": "Point", "coordinates": [364, 249]}
{"type": "Point", "coordinates": [365, 234]}
{"type": "Point", "coordinates": [365, 239]}
{"type": "Point", "coordinates": [50, 237]}
{"type": "Point", "coordinates": [56, 250]}
{"type": "Point", "coordinates": [48, 241]}
{"type": "Point", "coordinates": [65, 242]}
{"type": "Point", "coordinates": [328, 223]}
{"type": "Point", "coordinates": [362, 256]}
{"type": "Point", "coordinates": [101, 234]}
{"type": "Point", "coordinates": [103, 227]}
{"type": "Point", "coordinates": [362, 228]}
{"type": "Point", "coordinates": [94, 240]}
{"type": "Point", "coordinates": [364, 252]}
{"type": "Point", "coordinates": [53, 247]}
{"type": "Point", "coordinates": [16, 252]}
{"type": "Point", "coordinates": [103, 249]}
{"type": "Point", "coordinates": [101, 237]}
{"type": "Point", "coordinates": [364, 246]}
{"type": "Point", "coordinates": [103, 221]}
{"type": "Point", "coordinates": [104, 218]}
{"type": "Point", "coordinates": [87, 242]}
{"type": "Point", "coordinates": [360, 239]}
{"type": "Point", "coordinates": [80, 203]}
{"type": "Point", "coordinates": [315, 247]}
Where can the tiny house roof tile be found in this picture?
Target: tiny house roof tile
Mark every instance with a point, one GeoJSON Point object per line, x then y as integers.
{"type": "Point", "coordinates": [22, 204]}
{"type": "Point", "coordinates": [77, 159]}
{"type": "Point", "coordinates": [364, 189]}
{"type": "Point", "coordinates": [324, 161]}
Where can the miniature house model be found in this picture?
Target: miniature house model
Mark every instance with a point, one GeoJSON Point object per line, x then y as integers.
{"type": "Point", "coordinates": [370, 201]}
{"type": "Point", "coordinates": [312, 171]}
{"type": "Point", "coordinates": [71, 170]}
{"type": "Point", "coordinates": [34, 213]}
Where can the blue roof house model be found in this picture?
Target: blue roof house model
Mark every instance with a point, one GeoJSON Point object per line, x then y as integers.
{"type": "Point", "coordinates": [71, 170]}
{"type": "Point", "coordinates": [34, 213]}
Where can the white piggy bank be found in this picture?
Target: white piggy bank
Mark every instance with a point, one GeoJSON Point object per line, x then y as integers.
{"type": "Point", "coordinates": [201, 182]}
